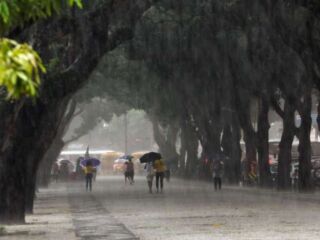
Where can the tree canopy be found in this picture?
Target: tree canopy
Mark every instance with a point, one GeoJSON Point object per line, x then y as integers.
{"type": "Point", "coordinates": [20, 65]}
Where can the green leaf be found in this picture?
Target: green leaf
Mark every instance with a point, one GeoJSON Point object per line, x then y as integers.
{"type": "Point", "coordinates": [4, 12]}
{"type": "Point", "coordinates": [20, 69]}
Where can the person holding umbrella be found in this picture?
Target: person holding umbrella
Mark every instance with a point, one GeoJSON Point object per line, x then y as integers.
{"type": "Point", "coordinates": [155, 163]}
{"type": "Point", "coordinates": [160, 169]}
{"type": "Point", "coordinates": [88, 171]}
{"type": "Point", "coordinates": [130, 171]}
{"type": "Point", "coordinates": [150, 174]}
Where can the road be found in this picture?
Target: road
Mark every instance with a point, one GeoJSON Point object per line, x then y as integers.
{"type": "Point", "coordinates": [190, 210]}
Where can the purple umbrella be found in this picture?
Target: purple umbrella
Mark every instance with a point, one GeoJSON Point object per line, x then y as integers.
{"type": "Point", "coordinates": [95, 162]}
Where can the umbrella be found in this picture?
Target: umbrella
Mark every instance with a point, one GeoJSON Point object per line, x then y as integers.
{"type": "Point", "coordinates": [95, 162]}
{"type": "Point", "coordinates": [149, 157]}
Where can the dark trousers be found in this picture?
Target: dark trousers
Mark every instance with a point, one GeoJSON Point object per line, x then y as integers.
{"type": "Point", "coordinates": [217, 183]}
{"type": "Point", "coordinates": [159, 177]}
{"type": "Point", "coordinates": [89, 181]}
{"type": "Point", "coordinates": [130, 177]}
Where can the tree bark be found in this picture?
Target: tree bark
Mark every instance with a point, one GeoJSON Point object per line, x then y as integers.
{"type": "Point", "coordinates": [27, 143]}
{"type": "Point", "coordinates": [305, 180]}
{"type": "Point", "coordinates": [12, 198]}
{"type": "Point", "coordinates": [263, 144]}
{"type": "Point", "coordinates": [236, 150]}
{"type": "Point", "coordinates": [226, 144]}
{"type": "Point", "coordinates": [211, 146]}
{"type": "Point", "coordinates": [232, 151]}
{"type": "Point", "coordinates": [285, 147]}
{"type": "Point", "coordinates": [166, 141]}
{"type": "Point", "coordinates": [249, 136]}
{"type": "Point", "coordinates": [44, 172]}
{"type": "Point", "coordinates": [192, 151]}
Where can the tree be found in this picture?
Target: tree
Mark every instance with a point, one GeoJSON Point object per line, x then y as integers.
{"type": "Point", "coordinates": [20, 65]}
{"type": "Point", "coordinates": [40, 119]}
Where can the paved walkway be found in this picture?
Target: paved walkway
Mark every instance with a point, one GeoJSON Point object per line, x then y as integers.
{"type": "Point", "coordinates": [66, 212]}
{"type": "Point", "coordinates": [186, 210]}
{"type": "Point", "coordinates": [52, 218]}
{"type": "Point", "coordinates": [92, 221]}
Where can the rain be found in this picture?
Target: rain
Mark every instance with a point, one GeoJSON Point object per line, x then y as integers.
{"type": "Point", "coordinates": [159, 119]}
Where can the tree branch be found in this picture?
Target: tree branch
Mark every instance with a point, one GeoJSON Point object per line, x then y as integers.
{"type": "Point", "coordinates": [275, 105]}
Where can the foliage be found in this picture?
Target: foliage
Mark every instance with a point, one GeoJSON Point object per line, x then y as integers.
{"type": "Point", "coordinates": [20, 68]}
{"type": "Point", "coordinates": [20, 65]}
{"type": "Point", "coordinates": [17, 12]}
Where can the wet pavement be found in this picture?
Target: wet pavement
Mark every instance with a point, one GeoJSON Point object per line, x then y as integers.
{"type": "Point", "coordinates": [186, 210]}
{"type": "Point", "coordinates": [193, 210]}
{"type": "Point", "coordinates": [92, 221]}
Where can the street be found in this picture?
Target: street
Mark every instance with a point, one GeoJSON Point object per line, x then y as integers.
{"type": "Point", "coordinates": [193, 210]}
{"type": "Point", "coordinates": [186, 210]}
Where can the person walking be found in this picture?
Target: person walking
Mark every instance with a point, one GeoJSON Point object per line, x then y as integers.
{"type": "Point", "coordinates": [160, 168]}
{"type": "Point", "coordinates": [126, 173]}
{"type": "Point", "coordinates": [150, 174]}
{"type": "Point", "coordinates": [130, 171]}
{"type": "Point", "coordinates": [217, 174]}
{"type": "Point", "coordinates": [88, 171]}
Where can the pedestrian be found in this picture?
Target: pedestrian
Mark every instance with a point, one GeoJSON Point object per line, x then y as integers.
{"type": "Point", "coordinates": [130, 171]}
{"type": "Point", "coordinates": [160, 169]}
{"type": "Point", "coordinates": [150, 174]}
{"type": "Point", "coordinates": [217, 174]}
{"type": "Point", "coordinates": [126, 173]}
{"type": "Point", "coordinates": [88, 171]}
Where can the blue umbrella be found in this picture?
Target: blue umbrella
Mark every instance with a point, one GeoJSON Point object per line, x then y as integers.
{"type": "Point", "coordinates": [95, 162]}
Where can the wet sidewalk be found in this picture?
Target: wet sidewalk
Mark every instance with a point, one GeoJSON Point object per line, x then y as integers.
{"type": "Point", "coordinates": [186, 210]}
{"type": "Point", "coordinates": [67, 213]}
{"type": "Point", "coordinates": [93, 221]}
{"type": "Point", "coordinates": [52, 218]}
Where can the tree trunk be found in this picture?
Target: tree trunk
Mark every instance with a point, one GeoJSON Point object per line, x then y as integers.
{"type": "Point", "coordinates": [285, 147]}
{"type": "Point", "coordinates": [305, 180]}
{"type": "Point", "coordinates": [12, 197]}
{"type": "Point", "coordinates": [192, 151]}
{"type": "Point", "coordinates": [232, 151]}
{"type": "Point", "coordinates": [22, 149]}
{"type": "Point", "coordinates": [263, 144]}
{"type": "Point", "coordinates": [171, 142]}
{"type": "Point", "coordinates": [44, 172]}
{"type": "Point", "coordinates": [236, 151]}
{"type": "Point", "coordinates": [166, 140]}
{"type": "Point", "coordinates": [211, 147]}
{"type": "Point", "coordinates": [183, 151]}
{"type": "Point", "coordinates": [13, 166]}
{"type": "Point", "coordinates": [249, 137]}
{"type": "Point", "coordinates": [226, 144]}
{"type": "Point", "coordinates": [30, 188]}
